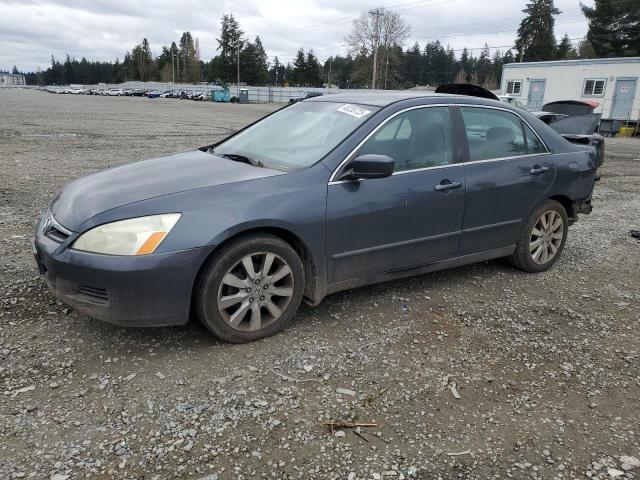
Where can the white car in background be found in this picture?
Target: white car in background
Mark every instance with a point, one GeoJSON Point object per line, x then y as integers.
{"type": "Point", "coordinates": [513, 101]}
{"type": "Point", "coordinates": [76, 91]}
{"type": "Point", "coordinates": [115, 92]}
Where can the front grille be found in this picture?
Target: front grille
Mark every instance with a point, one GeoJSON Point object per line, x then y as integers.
{"type": "Point", "coordinates": [53, 230]}
{"type": "Point", "coordinates": [56, 235]}
{"type": "Point", "coordinates": [94, 294]}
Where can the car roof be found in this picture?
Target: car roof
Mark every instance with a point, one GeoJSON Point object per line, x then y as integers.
{"type": "Point", "coordinates": [383, 99]}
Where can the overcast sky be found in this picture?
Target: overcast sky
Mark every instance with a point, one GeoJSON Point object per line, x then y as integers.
{"type": "Point", "coordinates": [31, 30]}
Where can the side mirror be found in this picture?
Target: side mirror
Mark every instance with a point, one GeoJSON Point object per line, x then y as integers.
{"type": "Point", "coordinates": [368, 167]}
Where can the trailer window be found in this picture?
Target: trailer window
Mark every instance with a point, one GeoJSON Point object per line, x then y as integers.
{"type": "Point", "coordinates": [514, 87]}
{"type": "Point", "coordinates": [593, 88]}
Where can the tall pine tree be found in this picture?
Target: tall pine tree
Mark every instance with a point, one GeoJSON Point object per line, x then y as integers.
{"type": "Point", "coordinates": [230, 42]}
{"type": "Point", "coordinates": [566, 50]}
{"type": "Point", "coordinates": [614, 27]}
{"type": "Point", "coordinates": [536, 41]}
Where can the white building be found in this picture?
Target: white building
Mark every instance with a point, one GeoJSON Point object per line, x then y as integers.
{"type": "Point", "coordinates": [11, 79]}
{"type": "Point", "coordinates": [612, 82]}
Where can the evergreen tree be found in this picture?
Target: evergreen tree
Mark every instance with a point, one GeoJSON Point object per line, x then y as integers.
{"type": "Point", "coordinates": [586, 50]}
{"type": "Point", "coordinates": [566, 50]}
{"type": "Point", "coordinates": [536, 41]}
{"type": "Point", "coordinates": [313, 77]}
{"type": "Point", "coordinates": [253, 61]}
{"type": "Point", "coordinates": [412, 69]}
{"type": "Point", "coordinates": [189, 65]}
{"type": "Point", "coordinates": [484, 73]}
{"type": "Point", "coordinates": [614, 27]}
{"type": "Point", "coordinates": [277, 73]}
{"type": "Point", "coordinates": [299, 68]}
{"type": "Point", "coordinates": [341, 69]}
{"type": "Point", "coordinates": [230, 42]}
{"type": "Point", "coordinates": [466, 64]}
{"type": "Point", "coordinates": [496, 67]}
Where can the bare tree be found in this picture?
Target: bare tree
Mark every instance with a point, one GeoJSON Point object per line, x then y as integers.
{"type": "Point", "coordinates": [376, 30]}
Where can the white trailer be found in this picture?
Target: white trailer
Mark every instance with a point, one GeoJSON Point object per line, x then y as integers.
{"type": "Point", "coordinates": [611, 82]}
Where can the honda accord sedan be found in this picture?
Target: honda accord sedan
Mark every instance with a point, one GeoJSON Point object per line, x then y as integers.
{"type": "Point", "coordinates": [328, 194]}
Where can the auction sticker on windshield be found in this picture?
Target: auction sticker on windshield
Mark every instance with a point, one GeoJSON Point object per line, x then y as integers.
{"type": "Point", "coordinates": [354, 110]}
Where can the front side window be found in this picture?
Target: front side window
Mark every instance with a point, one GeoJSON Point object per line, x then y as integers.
{"type": "Point", "coordinates": [514, 87]}
{"type": "Point", "coordinates": [297, 136]}
{"type": "Point", "coordinates": [493, 133]}
{"type": "Point", "coordinates": [593, 88]}
{"type": "Point", "coordinates": [419, 138]}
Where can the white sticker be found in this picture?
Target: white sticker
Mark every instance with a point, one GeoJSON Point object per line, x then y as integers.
{"type": "Point", "coordinates": [354, 110]}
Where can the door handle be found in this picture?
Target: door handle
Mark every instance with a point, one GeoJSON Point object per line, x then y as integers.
{"type": "Point", "coordinates": [446, 185]}
{"type": "Point", "coordinates": [538, 169]}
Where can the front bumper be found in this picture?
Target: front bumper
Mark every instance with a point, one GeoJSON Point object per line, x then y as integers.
{"type": "Point", "coordinates": [136, 291]}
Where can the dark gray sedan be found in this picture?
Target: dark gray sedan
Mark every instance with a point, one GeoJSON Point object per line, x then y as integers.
{"type": "Point", "coordinates": [328, 194]}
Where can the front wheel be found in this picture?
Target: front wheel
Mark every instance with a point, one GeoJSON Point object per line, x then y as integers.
{"type": "Point", "coordinates": [542, 239]}
{"type": "Point", "coordinates": [251, 289]}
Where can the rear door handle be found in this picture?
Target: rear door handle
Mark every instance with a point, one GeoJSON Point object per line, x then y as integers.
{"type": "Point", "coordinates": [446, 185]}
{"type": "Point", "coordinates": [538, 169]}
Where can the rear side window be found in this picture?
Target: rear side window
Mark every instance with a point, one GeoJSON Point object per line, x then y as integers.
{"type": "Point", "coordinates": [419, 138]}
{"type": "Point", "coordinates": [493, 133]}
{"type": "Point", "coordinates": [534, 145]}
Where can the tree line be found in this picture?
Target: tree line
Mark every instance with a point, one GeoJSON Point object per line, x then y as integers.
{"type": "Point", "coordinates": [376, 57]}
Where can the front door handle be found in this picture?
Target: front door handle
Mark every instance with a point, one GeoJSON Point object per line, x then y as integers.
{"type": "Point", "coordinates": [446, 185]}
{"type": "Point", "coordinates": [537, 169]}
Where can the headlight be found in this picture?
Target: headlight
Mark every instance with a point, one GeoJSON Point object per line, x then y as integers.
{"type": "Point", "coordinates": [135, 236]}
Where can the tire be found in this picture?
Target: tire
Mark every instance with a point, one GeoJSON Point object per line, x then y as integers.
{"type": "Point", "coordinates": [231, 303]}
{"type": "Point", "coordinates": [537, 253]}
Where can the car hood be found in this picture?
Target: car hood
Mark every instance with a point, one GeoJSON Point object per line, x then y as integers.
{"type": "Point", "coordinates": [577, 125]}
{"type": "Point", "coordinates": [467, 89]}
{"type": "Point", "coordinates": [571, 108]}
{"type": "Point", "coordinates": [86, 197]}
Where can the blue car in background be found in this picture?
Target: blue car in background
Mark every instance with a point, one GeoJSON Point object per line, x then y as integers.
{"type": "Point", "coordinates": [328, 194]}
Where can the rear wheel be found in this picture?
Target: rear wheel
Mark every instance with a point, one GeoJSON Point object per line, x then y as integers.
{"type": "Point", "coordinates": [251, 289]}
{"type": "Point", "coordinates": [542, 239]}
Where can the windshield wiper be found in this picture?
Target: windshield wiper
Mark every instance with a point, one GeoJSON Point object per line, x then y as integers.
{"type": "Point", "coordinates": [241, 158]}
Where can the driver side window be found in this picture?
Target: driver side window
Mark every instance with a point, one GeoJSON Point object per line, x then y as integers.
{"type": "Point", "coordinates": [419, 138]}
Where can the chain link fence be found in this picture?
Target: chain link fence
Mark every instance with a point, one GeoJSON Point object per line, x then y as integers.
{"type": "Point", "coordinates": [256, 94]}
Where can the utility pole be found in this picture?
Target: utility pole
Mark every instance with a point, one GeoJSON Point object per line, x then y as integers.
{"type": "Point", "coordinates": [376, 39]}
{"type": "Point", "coordinates": [386, 69]}
{"type": "Point", "coordinates": [173, 69]}
{"type": "Point", "coordinates": [238, 71]}
{"type": "Point", "coordinates": [329, 74]}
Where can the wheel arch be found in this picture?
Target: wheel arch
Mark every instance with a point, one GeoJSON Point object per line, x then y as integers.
{"type": "Point", "coordinates": [314, 290]}
{"type": "Point", "coordinates": [567, 204]}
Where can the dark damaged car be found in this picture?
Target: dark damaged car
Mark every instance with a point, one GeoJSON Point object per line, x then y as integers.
{"type": "Point", "coordinates": [576, 121]}
{"type": "Point", "coordinates": [328, 194]}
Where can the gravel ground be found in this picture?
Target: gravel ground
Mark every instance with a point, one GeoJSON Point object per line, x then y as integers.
{"type": "Point", "coordinates": [546, 367]}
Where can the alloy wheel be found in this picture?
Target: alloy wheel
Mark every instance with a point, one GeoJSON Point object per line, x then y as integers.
{"type": "Point", "coordinates": [255, 292]}
{"type": "Point", "coordinates": [546, 237]}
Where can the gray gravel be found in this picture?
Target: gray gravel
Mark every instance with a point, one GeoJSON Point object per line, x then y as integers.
{"type": "Point", "coordinates": [547, 367]}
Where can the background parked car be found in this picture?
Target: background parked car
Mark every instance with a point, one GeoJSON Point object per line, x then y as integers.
{"type": "Point", "coordinates": [304, 97]}
{"type": "Point", "coordinates": [115, 92]}
{"type": "Point", "coordinates": [513, 101]}
{"type": "Point", "coordinates": [575, 121]}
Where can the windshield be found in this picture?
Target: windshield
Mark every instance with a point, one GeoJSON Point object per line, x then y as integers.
{"type": "Point", "coordinates": [297, 136]}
